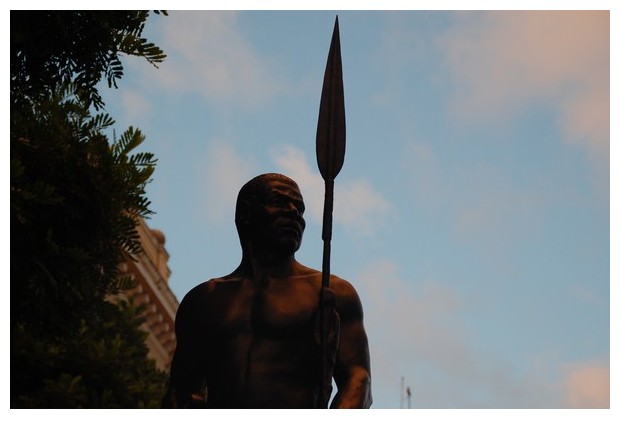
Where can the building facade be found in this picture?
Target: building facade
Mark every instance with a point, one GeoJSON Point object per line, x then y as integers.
{"type": "Point", "coordinates": [151, 274]}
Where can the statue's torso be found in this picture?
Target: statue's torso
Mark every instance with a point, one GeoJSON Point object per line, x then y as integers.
{"type": "Point", "coordinates": [260, 345]}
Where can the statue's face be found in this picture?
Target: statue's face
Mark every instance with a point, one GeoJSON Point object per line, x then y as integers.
{"type": "Point", "coordinates": [278, 221]}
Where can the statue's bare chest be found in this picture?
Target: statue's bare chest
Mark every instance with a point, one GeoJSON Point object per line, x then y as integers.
{"type": "Point", "coordinates": [274, 309]}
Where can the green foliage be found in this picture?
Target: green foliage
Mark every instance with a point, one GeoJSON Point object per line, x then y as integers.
{"type": "Point", "coordinates": [50, 49]}
{"type": "Point", "coordinates": [76, 199]}
{"type": "Point", "coordinates": [101, 366]}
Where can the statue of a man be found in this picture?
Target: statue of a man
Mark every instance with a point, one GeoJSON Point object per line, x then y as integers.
{"type": "Point", "coordinates": [250, 339]}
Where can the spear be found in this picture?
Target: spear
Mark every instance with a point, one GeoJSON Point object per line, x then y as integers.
{"type": "Point", "coordinates": [330, 148]}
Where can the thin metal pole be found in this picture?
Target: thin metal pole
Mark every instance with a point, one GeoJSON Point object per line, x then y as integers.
{"type": "Point", "coordinates": [402, 392]}
{"type": "Point", "coordinates": [408, 397]}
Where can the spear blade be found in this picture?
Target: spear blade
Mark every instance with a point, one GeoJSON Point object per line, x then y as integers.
{"type": "Point", "coordinates": [331, 129]}
{"type": "Point", "coordinates": [330, 149]}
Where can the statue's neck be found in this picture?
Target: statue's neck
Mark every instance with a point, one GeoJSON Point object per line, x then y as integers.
{"type": "Point", "coordinates": [260, 264]}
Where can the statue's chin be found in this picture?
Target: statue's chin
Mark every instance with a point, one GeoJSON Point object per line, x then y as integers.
{"type": "Point", "coordinates": [287, 246]}
{"type": "Point", "coordinates": [286, 249]}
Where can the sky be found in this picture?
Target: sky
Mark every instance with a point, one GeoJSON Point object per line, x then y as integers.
{"type": "Point", "coordinates": [472, 213]}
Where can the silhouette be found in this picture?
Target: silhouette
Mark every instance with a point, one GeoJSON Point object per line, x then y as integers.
{"type": "Point", "coordinates": [252, 339]}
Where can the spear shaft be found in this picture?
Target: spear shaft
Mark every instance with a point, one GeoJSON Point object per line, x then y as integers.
{"type": "Point", "coordinates": [330, 149]}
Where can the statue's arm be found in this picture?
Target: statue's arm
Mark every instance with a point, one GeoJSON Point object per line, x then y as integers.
{"type": "Point", "coordinates": [352, 369]}
{"type": "Point", "coordinates": [187, 383]}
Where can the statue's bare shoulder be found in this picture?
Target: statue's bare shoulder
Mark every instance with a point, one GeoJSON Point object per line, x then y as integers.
{"type": "Point", "coordinates": [348, 303]}
{"type": "Point", "coordinates": [202, 298]}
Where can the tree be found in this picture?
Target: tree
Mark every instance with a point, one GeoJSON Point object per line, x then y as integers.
{"type": "Point", "coordinates": [54, 48]}
{"type": "Point", "coordinates": [76, 199]}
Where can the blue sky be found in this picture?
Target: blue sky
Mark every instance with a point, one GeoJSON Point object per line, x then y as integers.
{"type": "Point", "coordinates": [472, 213]}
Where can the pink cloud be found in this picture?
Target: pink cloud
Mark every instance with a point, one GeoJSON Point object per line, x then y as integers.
{"type": "Point", "coordinates": [503, 61]}
{"type": "Point", "coordinates": [586, 385]}
{"type": "Point", "coordinates": [418, 330]}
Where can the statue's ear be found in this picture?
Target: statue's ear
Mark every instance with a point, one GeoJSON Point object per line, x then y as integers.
{"type": "Point", "coordinates": [244, 212]}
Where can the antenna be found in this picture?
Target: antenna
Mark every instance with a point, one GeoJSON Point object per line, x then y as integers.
{"type": "Point", "coordinates": [408, 397]}
{"type": "Point", "coordinates": [402, 392]}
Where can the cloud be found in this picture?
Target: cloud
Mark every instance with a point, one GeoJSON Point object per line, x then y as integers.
{"type": "Point", "coordinates": [502, 62]}
{"type": "Point", "coordinates": [497, 210]}
{"type": "Point", "coordinates": [293, 163]}
{"type": "Point", "coordinates": [420, 331]}
{"type": "Point", "coordinates": [357, 205]}
{"type": "Point", "coordinates": [415, 331]}
{"type": "Point", "coordinates": [586, 385]}
{"type": "Point", "coordinates": [208, 55]}
{"type": "Point", "coordinates": [135, 105]}
{"type": "Point", "coordinates": [360, 207]}
{"type": "Point", "coordinates": [478, 201]}
{"type": "Point", "coordinates": [221, 173]}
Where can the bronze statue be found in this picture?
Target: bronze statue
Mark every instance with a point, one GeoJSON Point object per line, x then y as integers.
{"type": "Point", "coordinates": [252, 339]}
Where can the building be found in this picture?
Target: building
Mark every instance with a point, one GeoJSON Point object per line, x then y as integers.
{"type": "Point", "coordinates": [151, 274]}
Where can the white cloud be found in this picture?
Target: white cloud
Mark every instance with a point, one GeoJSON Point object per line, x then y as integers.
{"type": "Point", "coordinates": [135, 105]}
{"type": "Point", "coordinates": [221, 173]}
{"type": "Point", "coordinates": [293, 163]}
{"type": "Point", "coordinates": [480, 202]}
{"type": "Point", "coordinates": [415, 333]}
{"type": "Point", "coordinates": [413, 329]}
{"type": "Point", "coordinates": [207, 54]}
{"type": "Point", "coordinates": [502, 62]}
{"type": "Point", "coordinates": [357, 205]}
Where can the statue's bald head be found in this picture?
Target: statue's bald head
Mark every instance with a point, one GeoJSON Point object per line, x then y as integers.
{"type": "Point", "coordinates": [253, 193]}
